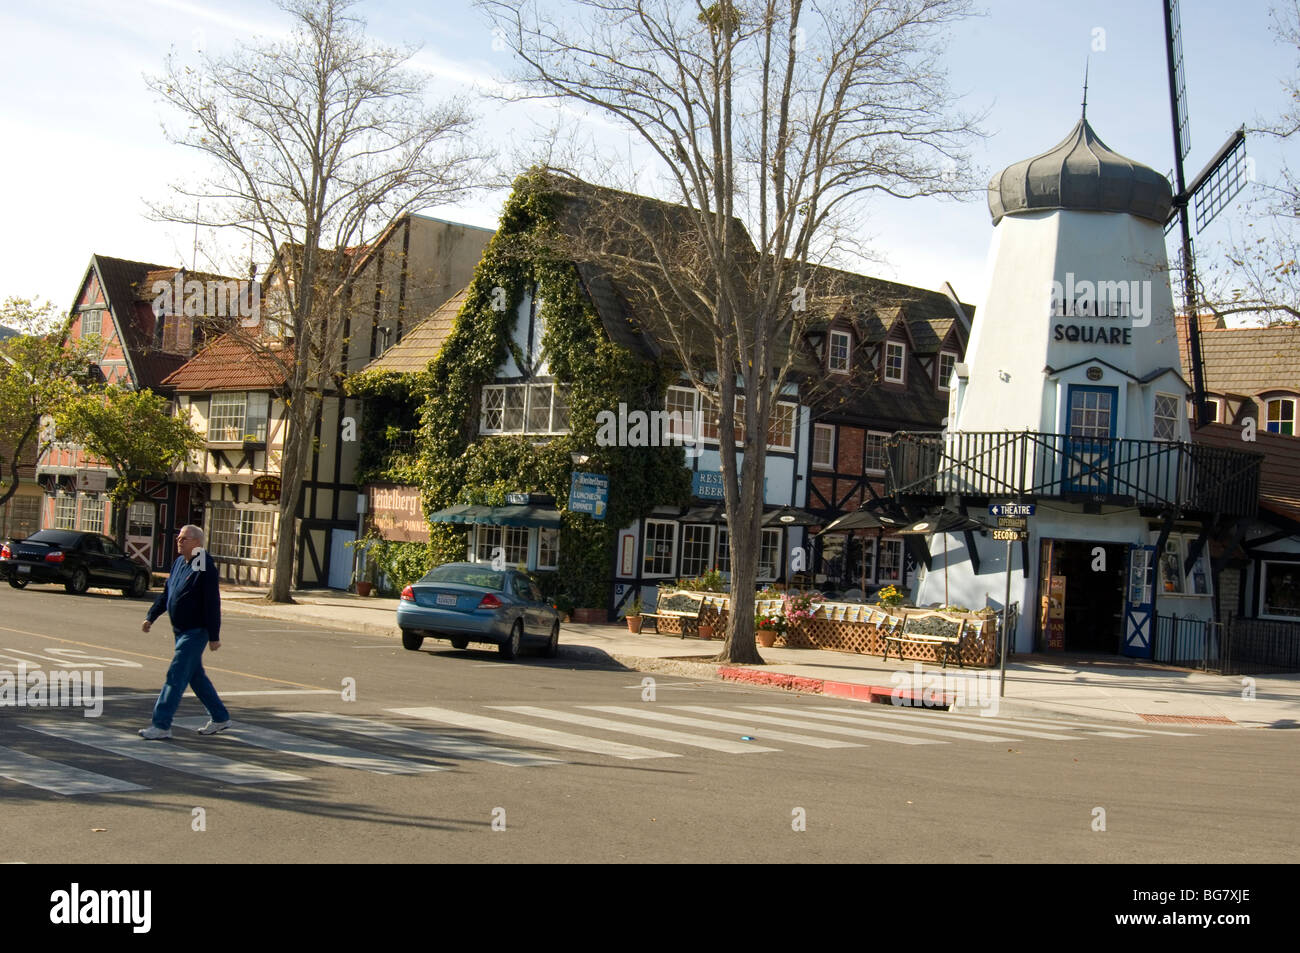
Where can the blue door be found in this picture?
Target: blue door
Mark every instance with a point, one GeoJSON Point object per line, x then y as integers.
{"type": "Point", "coordinates": [1089, 439]}
{"type": "Point", "coordinates": [1139, 602]}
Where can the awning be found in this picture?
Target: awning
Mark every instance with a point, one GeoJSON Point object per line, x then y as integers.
{"type": "Point", "coordinates": [522, 515]}
{"type": "Point", "coordinates": [791, 516]}
{"type": "Point", "coordinates": [708, 513]}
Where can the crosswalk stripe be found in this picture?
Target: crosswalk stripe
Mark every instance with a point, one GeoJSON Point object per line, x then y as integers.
{"type": "Point", "coordinates": [424, 740]}
{"type": "Point", "coordinates": [917, 722]}
{"type": "Point", "coordinates": [60, 778]}
{"type": "Point", "coordinates": [769, 734]}
{"type": "Point", "coordinates": [315, 749]}
{"type": "Point", "coordinates": [164, 754]}
{"type": "Point", "coordinates": [809, 725]}
{"type": "Point", "coordinates": [890, 721]}
{"type": "Point", "coordinates": [1129, 730]}
{"type": "Point", "coordinates": [560, 739]}
{"type": "Point", "coordinates": [645, 731]}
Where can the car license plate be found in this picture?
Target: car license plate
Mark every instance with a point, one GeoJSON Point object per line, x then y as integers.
{"type": "Point", "coordinates": [446, 600]}
{"type": "Point", "coordinates": [26, 569]}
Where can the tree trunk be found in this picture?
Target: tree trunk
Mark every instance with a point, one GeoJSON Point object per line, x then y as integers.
{"type": "Point", "coordinates": [297, 454]}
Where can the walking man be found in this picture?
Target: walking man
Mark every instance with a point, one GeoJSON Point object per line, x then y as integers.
{"type": "Point", "coordinates": [193, 601]}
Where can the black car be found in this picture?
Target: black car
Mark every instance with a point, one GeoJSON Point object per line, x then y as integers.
{"type": "Point", "coordinates": [76, 559]}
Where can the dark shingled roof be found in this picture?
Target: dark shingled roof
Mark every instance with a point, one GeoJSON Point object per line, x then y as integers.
{"type": "Point", "coordinates": [1247, 361]}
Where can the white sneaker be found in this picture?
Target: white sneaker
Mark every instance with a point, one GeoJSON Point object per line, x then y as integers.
{"type": "Point", "coordinates": [154, 733]}
{"type": "Point", "coordinates": [212, 727]}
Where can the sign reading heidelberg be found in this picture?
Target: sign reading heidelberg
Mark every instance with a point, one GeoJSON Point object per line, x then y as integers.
{"type": "Point", "coordinates": [589, 493]}
{"type": "Point", "coordinates": [395, 513]}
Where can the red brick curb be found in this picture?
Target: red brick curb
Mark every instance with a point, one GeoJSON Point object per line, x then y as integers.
{"type": "Point", "coordinates": [817, 686]}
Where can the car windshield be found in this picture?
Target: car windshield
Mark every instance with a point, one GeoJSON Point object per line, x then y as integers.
{"type": "Point", "coordinates": [54, 537]}
{"type": "Point", "coordinates": [468, 576]}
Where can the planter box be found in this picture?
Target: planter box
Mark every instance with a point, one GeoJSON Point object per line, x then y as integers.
{"type": "Point", "coordinates": [590, 616]}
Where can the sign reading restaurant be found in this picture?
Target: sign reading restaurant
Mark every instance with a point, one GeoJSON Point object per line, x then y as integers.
{"type": "Point", "coordinates": [396, 513]}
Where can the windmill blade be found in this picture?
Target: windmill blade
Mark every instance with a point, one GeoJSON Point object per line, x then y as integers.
{"type": "Point", "coordinates": [1174, 32]}
{"type": "Point", "coordinates": [1219, 182]}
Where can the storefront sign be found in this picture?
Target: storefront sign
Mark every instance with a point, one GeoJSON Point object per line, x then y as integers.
{"type": "Point", "coordinates": [1056, 614]}
{"type": "Point", "coordinates": [396, 513]}
{"type": "Point", "coordinates": [266, 489]}
{"type": "Point", "coordinates": [92, 481]}
{"type": "Point", "coordinates": [707, 484]}
{"type": "Point", "coordinates": [589, 493]}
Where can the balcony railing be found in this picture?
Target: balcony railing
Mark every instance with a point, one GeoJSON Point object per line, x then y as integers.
{"type": "Point", "coordinates": [1150, 473]}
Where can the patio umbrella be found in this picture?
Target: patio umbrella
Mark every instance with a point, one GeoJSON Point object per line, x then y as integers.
{"type": "Point", "coordinates": [944, 521]}
{"type": "Point", "coordinates": [791, 516]}
{"type": "Point", "coordinates": [858, 519]}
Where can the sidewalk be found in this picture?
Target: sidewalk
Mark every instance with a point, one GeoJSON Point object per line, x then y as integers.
{"type": "Point", "coordinates": [1115, 690]}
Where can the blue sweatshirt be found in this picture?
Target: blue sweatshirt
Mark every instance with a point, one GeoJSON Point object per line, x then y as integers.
{"type": "Point", "coordinates": [192, 597]}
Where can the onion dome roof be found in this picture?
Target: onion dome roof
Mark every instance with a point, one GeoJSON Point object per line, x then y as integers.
{"type": "Point", "coordinates": [1081, 172]}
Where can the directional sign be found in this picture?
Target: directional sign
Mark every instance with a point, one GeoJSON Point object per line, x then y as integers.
{"type": "Point", "coordinates": [1011, 535]}
{"type": "Point", "coordinates": [1013, 522]}
{"type": "Point", "coordinates": [1011, 509]}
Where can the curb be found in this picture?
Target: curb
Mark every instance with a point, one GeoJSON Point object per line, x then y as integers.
{"type": "Point", "coordinates": [273, 612]}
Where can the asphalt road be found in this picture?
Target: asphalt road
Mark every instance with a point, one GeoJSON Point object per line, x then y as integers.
{"type": "Point", "coordinates": [445, 755]}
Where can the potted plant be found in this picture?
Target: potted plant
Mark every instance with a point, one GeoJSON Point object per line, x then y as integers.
{"type": "Point", "coordinates": [767, 626]}
{"type": "Point", "coordinates": [633, 615]}
{"type": "Point", "coordinates": [563, 604]}
{"type": "Point", "coordinates": [368, 572]}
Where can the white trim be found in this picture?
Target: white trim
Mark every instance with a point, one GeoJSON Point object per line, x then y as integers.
{"type": "Point", "coordinates": [942, 381]}
{"type": "Point", "coordinates": [884, 363]}
{"type": "Point", "coordinates": [848, 352]}
{"type": "Point", "coordinates": [830, 463]}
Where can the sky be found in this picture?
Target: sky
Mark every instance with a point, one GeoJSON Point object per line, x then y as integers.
{"type": "Point", "coordinates": [82, 149]}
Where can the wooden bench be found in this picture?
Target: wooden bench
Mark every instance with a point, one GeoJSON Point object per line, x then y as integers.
{"type": "Point", "coordinates": [686, 607]}
{"type": "Point", "coordinates": [931, 628]}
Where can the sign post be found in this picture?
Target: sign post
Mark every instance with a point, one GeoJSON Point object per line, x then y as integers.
{"type": "Point", "coordinates": [1013, 526]}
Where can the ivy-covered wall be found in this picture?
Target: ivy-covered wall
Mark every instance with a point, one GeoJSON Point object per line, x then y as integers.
{"type": "Point", "coordinates": [451, 464]}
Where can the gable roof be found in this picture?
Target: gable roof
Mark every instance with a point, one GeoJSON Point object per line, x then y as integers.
{"type": "Point", "coordinates": [421, 344]}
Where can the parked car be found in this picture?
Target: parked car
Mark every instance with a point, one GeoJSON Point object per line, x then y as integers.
{"type": "Point", "coordinates": [471, 602]}
{"type": "Point", "coordinates": [76, 559]}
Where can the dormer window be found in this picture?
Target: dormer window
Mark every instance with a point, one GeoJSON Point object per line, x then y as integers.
{"type": "Point", "coordinates": [895, 361]}
{"type": "Point", "coordinates": [1281, 415]}
{"type": "Point", "coordinates": [838, 355]}
{"type": "Point", "coordinates": [947, 363]}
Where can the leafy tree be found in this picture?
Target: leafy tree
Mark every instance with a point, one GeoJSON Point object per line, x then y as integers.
{"type": "Point", "coordinates": [782, 114]}
{"type": "Point", "coordinates": [316, 143]}
{"type": "Point", "coordinates": [38, 373]}
{"type": "Point", "coordinates": [131, 430]}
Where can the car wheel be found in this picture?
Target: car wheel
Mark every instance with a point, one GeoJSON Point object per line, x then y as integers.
{"type": "Point", "coordinates": [553, 646]}
{"type": "Point", "coordinates": [18, 583]}
{"type": "Point", "coordinates": [412, 640]}
{"type": "Point", "coordinates": [459, 643]}
{"type": "Point", "coordinates": [512, 646]}
{"type": "Point", "coordinates": [139, 586]}
{"type": "Point", "coordinates": [79, 582]}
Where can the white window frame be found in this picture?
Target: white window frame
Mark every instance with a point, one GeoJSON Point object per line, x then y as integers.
{"type": "Point", "coordinates": [99, 322]}
{"type": "Point", "coordinates": [783, 410]}
{"type": "Point", "coordinates": [902, 362]}
{"type": "Point", "coordinates": [1170, 567]}
{"type": "Point", "coordinates": [1170, 419]}
{"type": "Point", "coordinates": [240, 534]}
{"type": "Point", "coordinates": [942, 382]}
{"type": "Point", "coordinates": [507, 400]}
{"type": "Point", "coordinates": [512, 540]}
{"type": "Point", "coordinates": [827, 433]}
{"type": "Point", "coordinates": [250, 422]}
{"type": "Point", "coordinates": [65, 510]}
{"type": "Point", "coordinates": [884, 456]}
{"type": "Point", "coordinates": [846, 364]}
{"type": "Point", "coordinates": [697, 548]}
{"type": "Point", "coordinates": [548, 549]}
{"type": "Point", "coordinates": [769, 543]}
{"type": "Point", "coordinates": [684, 401]}
{"type": "Point", "coordinates": [90, 515]}
{"type": "Point", "coordinates": [1264, 607]}
{"type": "Point", "coordinates": [722, 551]}
{"type": "Point", "coordinates": [670, 560]}
{"type": "Point", "coordinates": [892, 544]}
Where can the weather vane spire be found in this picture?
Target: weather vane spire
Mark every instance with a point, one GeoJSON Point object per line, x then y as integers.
{"type": "Point", "coordinates": [1085, 87]}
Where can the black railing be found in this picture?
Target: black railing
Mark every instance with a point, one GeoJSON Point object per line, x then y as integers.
{"type": "Point", "coordinates": [1193, 643]}
{"type": "Point", "coordinates": [1152, 473]}
{"type": "Point", "coordinates": [1256, 646]}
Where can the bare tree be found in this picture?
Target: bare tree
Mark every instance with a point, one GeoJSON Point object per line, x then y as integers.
{"type": "Point", "coordinates": [783, 115]}
{"type": "Point", "coordinates": [316, 144]}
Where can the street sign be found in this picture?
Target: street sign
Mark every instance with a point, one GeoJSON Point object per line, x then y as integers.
{"type": "Point", "coordinates": [92, 481]}
{"type": "Point", "coordinates": [1010, 535]}
{"type": "Point", "coordinates": [589, 493]}
{"type": "Point", "coordinates": [1011, 509]}
{"type": "Point", "coordinates": [1013, 522]}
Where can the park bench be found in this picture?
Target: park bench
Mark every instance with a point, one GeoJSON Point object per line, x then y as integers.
{"type": "Point", "coordinates": [929, 629]}
{"type": "Point", "coordinates": [686, 607]}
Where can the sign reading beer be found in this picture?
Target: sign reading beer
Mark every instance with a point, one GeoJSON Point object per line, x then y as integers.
{"type": "Point", "coordinates": [396, 513]}
{"type": "Point", "coordinates": [266, 489]}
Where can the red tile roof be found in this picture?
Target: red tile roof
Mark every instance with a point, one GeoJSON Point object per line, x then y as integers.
{"type": "Point", "coordinates": [232, 363]}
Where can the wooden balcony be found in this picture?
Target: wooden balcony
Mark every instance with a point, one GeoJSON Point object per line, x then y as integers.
{"type": "Point", "coordinates": [1152, 474]}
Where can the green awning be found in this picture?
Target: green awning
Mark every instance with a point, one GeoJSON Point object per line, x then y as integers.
{"type": "Point", "coordinates": [521, 515]}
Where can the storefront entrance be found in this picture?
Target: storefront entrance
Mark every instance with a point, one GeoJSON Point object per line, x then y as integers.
{"type": "Point", "coordinates": [1081, 596]}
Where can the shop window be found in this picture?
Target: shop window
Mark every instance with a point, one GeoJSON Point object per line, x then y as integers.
{"type": "Point", "coordinates": [1280, 590]}
{"type": "Point", "coordinates": [723, 560]}
{"type": "Point", "coordinates": [659, 551]}
{"type": "Point", "coordinates": [65, 511]}
{"type": "Point", "coordinates": [548, 548]}
{"type": "Point", "coordinates": [510, 542]}
{"type": "Point", "coordinates": [697, 548]}
{"type": "Point", "coordinates": [889, 566]}
{"type": "Point", "coordinates": [769, 555]}
{"type": "Point", "coordinates": [92, 513]}
{"type": "Point", "coordinates": [239, 534]}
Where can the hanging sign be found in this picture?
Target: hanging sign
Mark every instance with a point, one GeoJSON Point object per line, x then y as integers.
{"type": "Point", "coordinates": [266, 489]}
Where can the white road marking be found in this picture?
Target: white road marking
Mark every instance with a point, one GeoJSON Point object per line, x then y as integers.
{"type": "Point", "coordinates": [767, 733]}
{"type": "Point", "coordinates": [808, 725]}
{"type": "Point", "coordinates": [645, 731]}
{"type": "Point", "coordinates": [913, 722]}
{"type": "Point", "coordinates": [264, 691]}
{"type": "Point", "coordinates": [165, 754]}
{"type": "Point", "coordinates": [1036, 722]}
{"type": "Point", "coordinates": [313, 748]}
{"type": "Point", "coordinates": [560, 739]}
{"type": "Point", "coordinates": [424, 740]}
{"type": "Point", "coordinates": [60, 778]}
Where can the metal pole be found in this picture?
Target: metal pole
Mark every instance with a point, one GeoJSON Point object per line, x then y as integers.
{"type": "Point", "coordinates": [1006, 612]}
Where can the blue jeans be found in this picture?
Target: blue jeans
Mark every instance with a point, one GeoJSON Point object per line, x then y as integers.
{"type": "Point", "coordinates": [187, 669]}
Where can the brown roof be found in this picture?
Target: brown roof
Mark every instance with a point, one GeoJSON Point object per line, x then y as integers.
{"type": "Point", "coordinates": [1279, 473]}
{"type": "Point", "coordinates": [421, 344]}
{"type": "Point", "coordinates": [229, 363]}
{"type": "Point", "coordinates": [1247, 361]}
